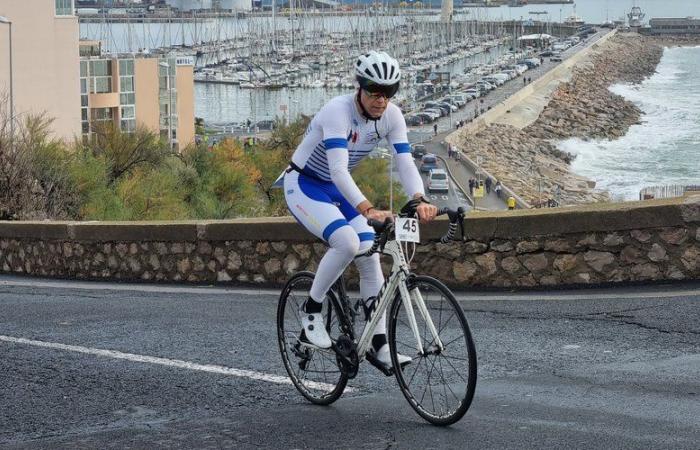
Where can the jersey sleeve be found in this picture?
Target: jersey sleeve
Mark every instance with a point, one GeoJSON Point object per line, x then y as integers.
{"type": "Point", "coordinates": [398, 139]}
{"type": "Point", "coordinates": [335, 126]}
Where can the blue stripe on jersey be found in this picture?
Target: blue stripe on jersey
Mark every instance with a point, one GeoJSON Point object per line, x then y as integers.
{"type": "Point", "coordinates": [402, 147]}
{"type": "Point", "coordinates": [335, 143]}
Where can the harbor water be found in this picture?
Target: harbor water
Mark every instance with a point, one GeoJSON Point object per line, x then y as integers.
{"type": "Point", "coordinates": [665, 148]}
{"type": "Point", "coordinates": [228, 103]}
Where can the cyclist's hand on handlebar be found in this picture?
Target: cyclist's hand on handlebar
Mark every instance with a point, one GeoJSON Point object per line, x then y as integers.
{"type": "Point", "coordinates": [379, 215]}
{"type": "Point", "coordinates": [426, 212]}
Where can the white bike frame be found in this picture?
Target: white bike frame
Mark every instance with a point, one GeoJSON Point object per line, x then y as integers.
{"type": "Point", "coordinates": [397, 280]}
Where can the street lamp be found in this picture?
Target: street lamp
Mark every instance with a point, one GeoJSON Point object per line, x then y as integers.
{"type": "Point", "coordinates": [170, 104]}
{"type": "Point", "coordinates": [12, 102]}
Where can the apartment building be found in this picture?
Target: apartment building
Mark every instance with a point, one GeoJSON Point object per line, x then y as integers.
{"type": "Point", "coordinates": [45, 61]}
{"type": "Point", "coordinates": [127, 90]}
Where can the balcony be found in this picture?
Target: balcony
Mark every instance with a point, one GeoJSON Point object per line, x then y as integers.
{"type": "Point", "coordinates": [107, 100]}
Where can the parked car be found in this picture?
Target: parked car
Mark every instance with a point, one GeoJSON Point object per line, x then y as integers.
{"type": "Point", "coordinates": [418, 150]}
{"type": "Point", "coordinates": [473, 93]}
{"type": "Point", "coordinates": [413, 120]}
{"type": "Point", "coordinates": [556, 58]}
{"type": "Point", "coordinates": [425, 117]}
{"type": "Point", "coordinates": [428, 163]}
{"type": "Point", "coordinates": [435, 112]}
{"type": "Point", "coordinates": [450, 108]}
{"type": "Point", "coordinates": [438, 181]}
{"type": "Point", "coordinates": [444, 110]}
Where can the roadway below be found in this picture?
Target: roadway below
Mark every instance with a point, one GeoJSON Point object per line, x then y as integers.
{"type": "Point", "coordinates": [99, 365]}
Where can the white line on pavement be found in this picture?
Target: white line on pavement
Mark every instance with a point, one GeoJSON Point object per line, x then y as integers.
{"type": "Point", "coordinates": [250, 374]}
{"type": "Point", "coordinates": [611, 293]}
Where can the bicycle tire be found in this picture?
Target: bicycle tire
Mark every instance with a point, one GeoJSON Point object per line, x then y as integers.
{"type": "Point", "coordinates": [458, 356]}
{"type": "Point", "coordinates": [317, 363]}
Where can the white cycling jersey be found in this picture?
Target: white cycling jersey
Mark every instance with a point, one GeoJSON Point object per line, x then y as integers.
{"type": "Point", "coordinates": [339, 137]}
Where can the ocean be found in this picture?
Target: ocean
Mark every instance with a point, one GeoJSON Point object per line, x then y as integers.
{"type": "Point", "coordinates": [665, 148]}
{"type": "Point", "coordinates": [596, 11]}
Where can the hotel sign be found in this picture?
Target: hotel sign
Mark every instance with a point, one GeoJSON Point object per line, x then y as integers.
{"type": "Point", "coordinates": [184, 61]}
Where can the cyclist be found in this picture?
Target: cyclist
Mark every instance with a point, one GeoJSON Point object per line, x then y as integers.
{"type": "Point", "coordinates": [323, 197]}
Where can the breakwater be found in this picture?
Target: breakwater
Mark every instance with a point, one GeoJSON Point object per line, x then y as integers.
{"type": "Point", "coordinates": [527, 159]}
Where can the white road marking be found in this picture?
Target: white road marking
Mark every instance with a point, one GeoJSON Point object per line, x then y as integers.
{"type": "Point", "coordinates": [250, 374]}
{"type": "Point", "coordinates": [579, 294]}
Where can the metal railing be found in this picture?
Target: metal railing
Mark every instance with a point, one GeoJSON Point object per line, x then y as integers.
{"type": "Point", "coordinates": [667, 191]}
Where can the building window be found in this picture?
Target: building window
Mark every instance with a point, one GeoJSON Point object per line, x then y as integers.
{"type": "Point", "coordinates": [126, 84]}
{"type": "Point", "coordinates": [100, 85]}
{"type": "Point", "coordinates": [126, 99]}
{"type": "Point", "coordinates": [100, 68]}
{"type": "Point", "coordinates": [64, 7]}
{"type": "Point", "coordinates": [126, 67]}
{"type": "Point", "coordinates": [127, 112]}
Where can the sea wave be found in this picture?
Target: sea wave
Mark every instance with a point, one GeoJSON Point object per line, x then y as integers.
{"type": "Point", "coordinates": [663, 149]}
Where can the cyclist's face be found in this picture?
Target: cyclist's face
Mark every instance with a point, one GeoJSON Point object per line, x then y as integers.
{"type": "Point", "coordinates": [374, 103]}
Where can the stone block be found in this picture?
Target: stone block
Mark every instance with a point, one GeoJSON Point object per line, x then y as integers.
{"type": "Point", "coordinates": [534, 262]}
{"type": "Point", "coordinates": [528, 247]}
{"type": "Point", "coordinates": [598, 261]}
{"type": "Point", "coordinates": [674, 236]}
{"type": "Point", "coordinates": [657, 253]}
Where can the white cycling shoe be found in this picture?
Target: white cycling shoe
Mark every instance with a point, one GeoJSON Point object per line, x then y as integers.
{"type": "Point", "coordinates": [314, 331]}
{"type": "Point", "coordinates": [384, 357]}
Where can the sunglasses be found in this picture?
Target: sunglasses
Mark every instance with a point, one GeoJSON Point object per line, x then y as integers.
{"type": "Point", "coordinates": [375, 91]}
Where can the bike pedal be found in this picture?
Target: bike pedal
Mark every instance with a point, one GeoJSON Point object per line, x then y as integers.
{"type": "Point", "coordinates": [383, 368]}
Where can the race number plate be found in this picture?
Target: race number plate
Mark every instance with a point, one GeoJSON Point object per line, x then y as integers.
{"type": "Point", "coordinates": [407, 229]}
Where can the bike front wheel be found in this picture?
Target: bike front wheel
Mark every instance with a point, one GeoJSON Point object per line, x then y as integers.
{"type": "Point", "coordinates": [313, 371]}
{"type": "Point", "coordinates": [439, 383]}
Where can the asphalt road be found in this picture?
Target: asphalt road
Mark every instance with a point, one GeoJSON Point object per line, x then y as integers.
{"type": "Point", "coordinates": [85, 365]}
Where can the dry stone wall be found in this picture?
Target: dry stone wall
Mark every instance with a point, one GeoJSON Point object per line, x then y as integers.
{"type": "Point", "coordinates": [636, 241]}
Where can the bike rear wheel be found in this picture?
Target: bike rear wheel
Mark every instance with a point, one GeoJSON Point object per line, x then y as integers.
{"type": "Point", "coordinates": [438, 384]}
{"type": "Point", "coordinates": [313, 371]}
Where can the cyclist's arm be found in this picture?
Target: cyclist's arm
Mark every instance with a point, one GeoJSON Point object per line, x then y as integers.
{"type": "Point", "coordinates": [398, 138]}
{"type": "Point", "coordinates": [335, 131]}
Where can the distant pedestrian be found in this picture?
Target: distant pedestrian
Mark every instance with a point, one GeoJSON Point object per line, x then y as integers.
{"type": "Point", "coordinates": [488, 183]}
{"type": "Point", "coordinates": [541, 59]}
{"type": "Point", "coordinates": [524, 80]}
{"type": "Point", "coordinates": [511, 203]}
{"type": "Point", "coordinates": [471, 186]}
{"type": "Point", "coordinates": [497, 189]}
{"type": "Point", "coordinates": [529, 80]}
{"type": "Point", "coordinates": [449, 150]}
{"type": "Point", "coordinates": [435, 129]}
{"type": "Point", "coordinates": [458, 155]}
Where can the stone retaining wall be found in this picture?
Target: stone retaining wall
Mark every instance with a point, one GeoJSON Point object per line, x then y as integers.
{"type": "Point", "coordinates": [635, 241]}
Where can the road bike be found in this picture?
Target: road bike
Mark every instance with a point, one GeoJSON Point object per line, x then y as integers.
{"type": "Point", "coordinates": [425, 322]}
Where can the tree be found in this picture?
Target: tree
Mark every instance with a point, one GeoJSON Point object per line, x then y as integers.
{"type": "Point", "coordinates": [33, 182]}
{"type": "Point", "coordinates": [125, 152]}
{"type": "Point", "coordinates": [272, 156]}
{"type": "Point", "coordinates": [372, 177]}
{"type": "Point", "coordinates": [220, 183]}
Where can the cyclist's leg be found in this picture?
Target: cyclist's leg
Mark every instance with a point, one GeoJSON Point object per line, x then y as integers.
{"type": "Point", "coordinates": [371, 280]}
{"type": "Point", "coordinates": [311, 204]}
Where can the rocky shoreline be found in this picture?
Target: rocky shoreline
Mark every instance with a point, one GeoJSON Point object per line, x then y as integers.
{"type": "Point", "coordinates": [528, 160]}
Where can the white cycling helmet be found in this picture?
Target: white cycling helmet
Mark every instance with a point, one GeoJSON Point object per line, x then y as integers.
{"type": "Point", "coordinates": [377, 67]}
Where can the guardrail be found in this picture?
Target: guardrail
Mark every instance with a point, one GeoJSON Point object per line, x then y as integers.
{"type": "Point", "coordinates": [667, 191]}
